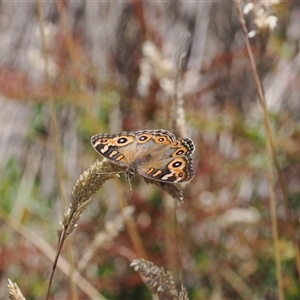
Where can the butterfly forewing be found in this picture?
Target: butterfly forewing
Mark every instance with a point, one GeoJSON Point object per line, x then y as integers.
{"type": "Point", "coordinates": [118, 148]}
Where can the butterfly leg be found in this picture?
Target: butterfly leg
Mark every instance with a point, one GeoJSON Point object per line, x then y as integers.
{"type": "Point", "coordinates": [130, 173]}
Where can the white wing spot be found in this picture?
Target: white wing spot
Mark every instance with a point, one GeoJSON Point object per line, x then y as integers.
{"type": "Point", "coordinates": [168, 175]}
{"type": "Point", "coordinates": [106, 147]}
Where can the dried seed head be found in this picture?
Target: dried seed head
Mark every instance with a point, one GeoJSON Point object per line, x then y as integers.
{"type": "Point", "coordinates": [159, 281]}
{"type": "Point", "coordinates": [183, 295]}
{"type": "Point", "coordinates": [14, 291]}
{"type": "Point", "coordinates": [87, 185]}
{"type": "Point", "coordinates": [264, 20]}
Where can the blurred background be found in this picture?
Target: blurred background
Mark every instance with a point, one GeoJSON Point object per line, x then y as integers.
{"type": "Point", "coordinates": [72, 69]}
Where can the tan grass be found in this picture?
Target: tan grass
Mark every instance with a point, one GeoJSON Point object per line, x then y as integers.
{"type": "Point", "coordinates": [87, 185]}
{"type": "Point", "coordinates": [271, 155]}
{"type": "Point", "coordinates": [178, 113]}
{"type": "Point", "coordinates": [14, 291]}
{"type": "Point", "coordinates": [159, 281]}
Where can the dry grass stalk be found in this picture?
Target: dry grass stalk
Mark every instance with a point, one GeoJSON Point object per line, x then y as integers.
{"type": "Point", "coordinates": [104, 238]}
{"type": "Point", "coordinates": [178, 114]}
{"type": "Point", "coordinates": [271, 153]}
{"type": "Point", "coordinates": [14, 291]}
{"type": "Point", "coordinates": [265, 22]}
{"type": "Point", "coordinates": [87, 185]}
{"type": "Point", "coordinates": [160, 282]}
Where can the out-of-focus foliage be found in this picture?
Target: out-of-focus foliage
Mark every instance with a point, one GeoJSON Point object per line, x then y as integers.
{"type": "Point", "coordinates": [112, 68]}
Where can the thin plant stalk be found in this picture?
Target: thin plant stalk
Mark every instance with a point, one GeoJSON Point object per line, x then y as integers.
{"type": "Point", "coordinates": [178, 115]}
{"type": "Point", "coordinates": [238, 284]}
{"type": "Point", "coordinates": [172, 256]}
{"type": "Point", "coordinates": [178, 122]}
{"type": "Point", "coordinates": [270, 151]}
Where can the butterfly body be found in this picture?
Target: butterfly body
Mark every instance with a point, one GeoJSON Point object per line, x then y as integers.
{"type": "Point", "coordinates": [154, 154]}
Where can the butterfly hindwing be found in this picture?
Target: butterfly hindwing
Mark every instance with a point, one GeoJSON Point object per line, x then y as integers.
{"type": "Point", "coordinates": [173, 164]}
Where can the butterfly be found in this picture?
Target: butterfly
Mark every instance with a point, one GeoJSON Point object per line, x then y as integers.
{"type": "Point", "coordinates": [154, 154]}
